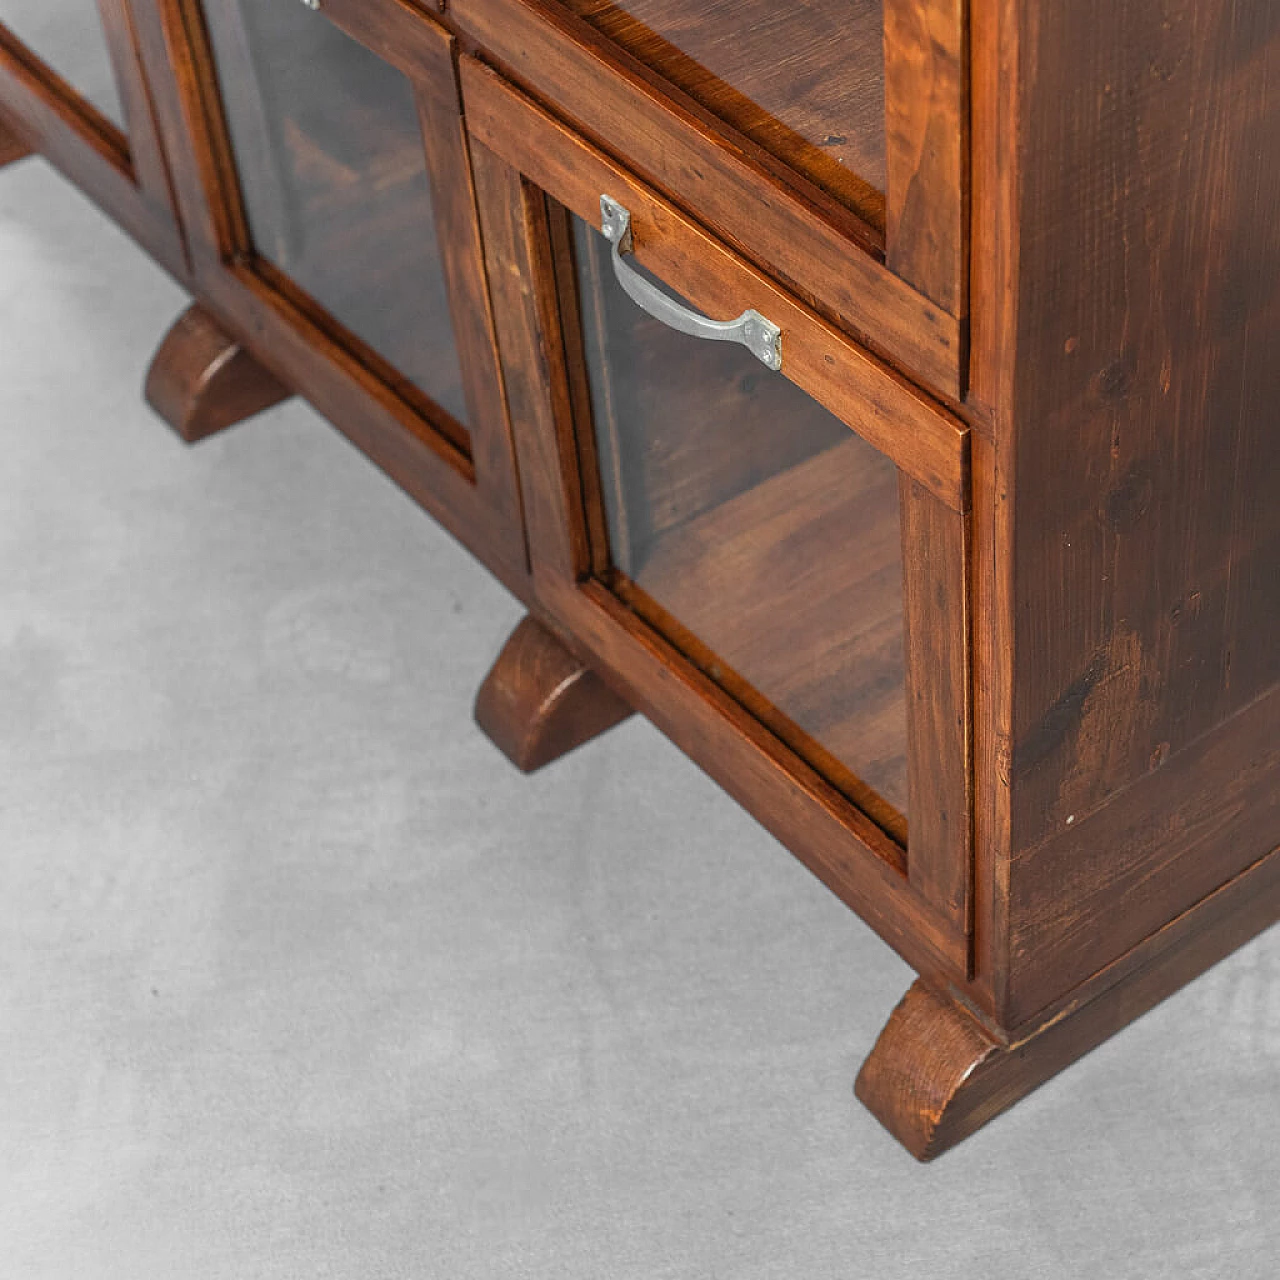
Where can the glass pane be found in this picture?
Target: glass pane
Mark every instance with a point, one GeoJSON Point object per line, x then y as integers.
{"type": "Point", "coordinates": [68, 35]}
{"type": "Point", "coordinates": [756, 531]}
{"type": "Point", "coordinates": [805, 80]}
{"type": "Point", "coordinates": [335, 184]}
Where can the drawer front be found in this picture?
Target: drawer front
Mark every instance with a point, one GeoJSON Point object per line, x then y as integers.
{"type": "Point", "coordinates": [805, 135]}
{"type": "Point", "coordinates": [764, 538]}
{"type": "Point", "coordinates": [333, 217]}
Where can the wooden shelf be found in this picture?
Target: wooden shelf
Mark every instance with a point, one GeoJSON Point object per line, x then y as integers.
{"type": "Point", "coordinates": [790, 596]}
{"type": "Point", "coordinates": [804, 80]}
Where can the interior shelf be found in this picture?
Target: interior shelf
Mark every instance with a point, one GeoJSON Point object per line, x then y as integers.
{"type": "Point", "coordinates": [750, 527]}
{"type": "Point", "coordinates": [796, 589]}
{"type": "Point", "coordinates": [803, 80]}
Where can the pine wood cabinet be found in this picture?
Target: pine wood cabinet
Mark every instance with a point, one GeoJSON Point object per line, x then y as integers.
{"type": "Point", "coordinates": [877, 395]}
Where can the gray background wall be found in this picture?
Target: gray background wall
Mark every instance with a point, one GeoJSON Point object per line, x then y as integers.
{"type": "Point", "coordinates": [298, 977]}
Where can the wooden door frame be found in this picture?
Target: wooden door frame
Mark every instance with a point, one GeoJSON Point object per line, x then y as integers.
{"type": "Point", "coordinates": [474, 493]}
{"type": "Point", "coordinates": [125, 174]}
{"type": "Point", "coordinates": [919, 899]}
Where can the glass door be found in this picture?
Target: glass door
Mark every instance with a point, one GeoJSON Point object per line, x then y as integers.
{"type": "Point", "coordinates": [749, 525]}
{"type": "Point", "coordinates": [325, 182]}
{"type": "Point", "coordinates": [334, 177]}
{"type": "Point", "coordinates": [805, 81]}
{"type": "Point", "coordinates": [72, 80]}
{"type": "Point", "coordinates": [758, 528]}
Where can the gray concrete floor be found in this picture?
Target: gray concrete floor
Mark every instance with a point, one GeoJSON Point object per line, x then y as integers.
{"type": "Point", "coordinates": [298, 977]}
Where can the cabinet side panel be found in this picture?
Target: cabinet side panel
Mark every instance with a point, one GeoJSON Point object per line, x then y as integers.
{"type": "Point", "coordinates": [1146, 527]}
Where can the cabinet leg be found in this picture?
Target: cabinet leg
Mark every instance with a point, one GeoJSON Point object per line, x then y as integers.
{"type": "Point", "coordinates": [12, 147]}
{"type": "Point", "coordinates": [202, 380]}
{"type": "Point", "coordinates": [936, 1076]}
{"type": "Point", "coordinates": [539, 702]}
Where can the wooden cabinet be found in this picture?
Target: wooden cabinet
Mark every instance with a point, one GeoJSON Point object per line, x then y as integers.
{"type": "Point", "coordinates": [76, 91]}
{"type": "Point", "coordinates": [874, 394]}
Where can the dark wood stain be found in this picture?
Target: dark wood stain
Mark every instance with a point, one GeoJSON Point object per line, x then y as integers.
{"type": "Point", "coordinates": [1025, 253]}
{"type": "Point", "coordinates": [1152, 480]}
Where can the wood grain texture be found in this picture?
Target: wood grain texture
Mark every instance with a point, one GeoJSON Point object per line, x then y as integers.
{"type": "Point", "coordinates": [492, 451]}
{"type": "Point", "coordinates": [770, 557]}
{"type": "Point", "coordinates": [831, 837]}
{"type": "Point", "coordinates": [390, 433]}
{"type": "Point", "coordinates": [12, 146]}
{"type": "Point", "coordinates": [1100, 513]}
{"type": "Point", "coordinates": [1095, 889]}
{"type": "Point", "coordinates": [803, 238]}
{"type": "Point", "coordinates": [676, 426]}
{"type": "Point", "coordinates": [862, 391]}
{"type": "Point", "coordinates": [202, 380]}
{"type": "Point", "coordinates": [146, 156]}
{"type": "Point", "coordinates": [1148, 398]}
{"type": "Point", "coordinates": [328, 143]}
{"type": "Point", "coordinates": [813, 652]}
{"type": "Point", "coordinates": [994, 255]}
{"type": "Point", "coordinates": [927, 125]}
{"type": "Point", "coordinates": [936, 623]}
{"type": "Point", "coordinates": [992, 663]}
{"type": "Point", "coordinates": [936, 1075]}
{"type": "Point", "coordinates": [922, 1077]}
{"type": "Point", "coordinates": [175, 49]}
{"type": "Point", "coordinates": [1146, 531]}
{"type": "Point", "coordinates": [395, 31]}
{"type": "Point", "coordinates": [539, 701]}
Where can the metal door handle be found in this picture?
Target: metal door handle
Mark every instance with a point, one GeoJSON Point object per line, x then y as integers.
{"type": "Point", "coordinates": [761, 337]}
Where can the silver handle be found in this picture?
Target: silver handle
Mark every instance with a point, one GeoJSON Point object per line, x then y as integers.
{"type": "Point", "coordinates": [761, 337]}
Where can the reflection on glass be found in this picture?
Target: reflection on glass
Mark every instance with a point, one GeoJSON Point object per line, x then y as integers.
{"type": "Point", "coordinates": [70, 38]}
{"type": "Point", "coordinates": [335, 184]}
{"type": "Point", "coordinates": [756, 531]}
{"type": "Point", "coordinates": [805, 80]}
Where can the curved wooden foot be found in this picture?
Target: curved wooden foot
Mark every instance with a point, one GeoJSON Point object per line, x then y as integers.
{"type": "Point", "coordinates": [539, 702]}
{"type": "Point", "coordinates": [202, 380]}
{"type": "Point", "coordinates": [928, 1080]}
{"type": "Point", "coordinates": [12, 147]}
{"type": "Point", "coordinates": [936, 1075]}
